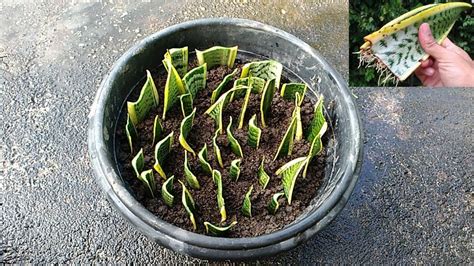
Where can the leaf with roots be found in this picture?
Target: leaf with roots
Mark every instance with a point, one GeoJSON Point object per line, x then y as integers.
{"type": "Point", "coordinates": [289, 90]}
{"type": "Point", "coordinates": [218, 230]}
{"type": "Point", "coordinates": [216, 109]}
{"type": "Point", "coordinates": [234, 171]}
{"type": "Point", "coordinates": [254, 133]}
{"type": "Point", "coordinates": [203, 161]}
{"type": "Point", "coordinates": [188, 203]}
{"type": "Point", "coordinates": [190, 177]}
{"type": "Point", "coordinates": [267, 70]}
{"type": "Point", "coordinates": [318, 120]}
{"type": "Point", "coordinates": [185, 129]}
{"type": "Point", "coordinates": [179, 59]}
{"type": "Point", "coordinates": [131, 132]}
{"type": "Point", "coordinates": [233, 143]}
{"type": "Point", "coordinates": [217, 92]}
{"type": "Point", "coordinates": [263, 177]}
{"type": "Point", "coordinates": [247, 204]}
{"type": "Point", "coordinates": [286, 145]}
{"type": "Point", "coordinates": [217, 150]}
{"type": "Point", "coordinates": [157, 129]}
{"type": "Point", "coordinates": [186, 104]}
{"type": "Point", "coordinates": [266, 101]}
{"type": "Point", "coordinates": [394, 49]}
{"type": "Point", "coordinates": [274, 204]}
{"type": "Point", "coordinates": [167, 191]}
{"type": "Point", "coordinates": [217, 178]}
{"type": "Point", "coordinates": [148, 99]}
{"type": "Point", "coordinates": [162, 148]}
{"type": "Point", "coordinates": [148, 179]}
{"type": "Point", "coordinates": [195, 80]}
{"type": "Point", "coordinates": [173, 88]}
{"type": "Point", "coordinates": [289, 173]}
{"type": "Point", "coordinates": [138, 162]}
{"type": "Point", "coordinates": [217, 56]}
{"type": "Point", "coordinates": [316, 147]}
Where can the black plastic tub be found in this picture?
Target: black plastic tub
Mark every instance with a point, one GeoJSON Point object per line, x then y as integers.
{"type": "Point", "coordinates": [260, 40]}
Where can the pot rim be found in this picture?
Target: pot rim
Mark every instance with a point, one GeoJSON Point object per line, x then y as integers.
{"type": "Point", "coordinates": [113, 185]}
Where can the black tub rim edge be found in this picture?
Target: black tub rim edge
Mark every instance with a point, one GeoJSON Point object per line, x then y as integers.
{"type": "Point", "coordinates": [116, 192]}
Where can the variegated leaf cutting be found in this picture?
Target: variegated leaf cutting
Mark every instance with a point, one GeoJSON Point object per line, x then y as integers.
{"type": "Point", "coordinates": [297, 114]}
{"type": "Point", "coordinates": [243, 110]}
{"type": "Point", "coordinates": [217, 150]}
{"type": "Point", "coordinates": [195, 80]}
{"type": "Point", "coordinates": [395, 51]}
{"type": "Point", "coordinates": [218, 230]}
{"type": "Point", "coordinates": [266, 101]}
{"type": "Point", "coordinates": [188, 203]}
{"type": "Point", "coordinates": [131, 132]}
{"type": "Point", "coordinates": [263, 177]}
{"type": "Point", "coordinates": [173, 88]}
{"type": "Point", "coordinates": [217, 56]}
{"type": "Point", "coordinates": [185, 129]}
{"type": "Point", "coordinates": [254, 133]}
{"type": "Point", "coordinates": [234, 171]}
{"type": "Point", "coordinates": [267, 70]}
{"type": "Point", "coordinates": [157, 129]}
{"type": "Point", "coordinates": [247, 204]}
{"type": "Point", "coordinates": [257, 84]}
{"type": "Point", "coordinates": [316, 147]}
{"type": "Point", "coordinates": [186, 101]}
{"type": "Point", "coordinates": [179, 59]}
{"type": "Point", "coordinates": [167, 191]}
{"type": "Point", "coordinates": [218, 90]}
{"type": "Point", "coordinates": [217, 108]}
{"type": "Point", "coordinates": [190, 177]}
{"type": "Point", "coordinates": [289, 173]}
{"type": "Point", "coordinates": [286, 145]}
{"type": "Point", "coordinates": [162, 148]}
{"type": "Point", "coordinates": [289, 90]}
{"type": "Point", "coordinates": [138, 162]}
{"type": "Point", "coordinates": [233, 142]}
{"type": "Point", "coordinates": [274, 204]}
{"type": "Point", "coordinates": [203, 161]}
{"type": "Point", "coordinates": [217, 178]}
{"type": "Point", "coordinates": [148, 99]}
{"type": "Point", "coordinates": [318, 120]}
{"type": "Point", "coordinates": [148, 179]}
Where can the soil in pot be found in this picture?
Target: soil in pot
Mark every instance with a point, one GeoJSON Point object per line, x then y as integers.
{"type": "Point", "coordinates": [261, 222]}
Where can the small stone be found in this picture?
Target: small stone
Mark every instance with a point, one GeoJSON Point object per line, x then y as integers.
{"type": "Point", "coordinates": [283, 11]}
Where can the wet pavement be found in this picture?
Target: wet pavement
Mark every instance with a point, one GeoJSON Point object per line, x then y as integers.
{"type": "Point", "coordinates": [413, 202]}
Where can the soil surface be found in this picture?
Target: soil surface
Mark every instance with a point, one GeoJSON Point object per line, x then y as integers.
{"type": "Point", "coordinates": [261, 222]}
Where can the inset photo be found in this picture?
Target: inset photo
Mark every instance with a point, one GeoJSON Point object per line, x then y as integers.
{"type": "Point", "coordinates": [411, 43]}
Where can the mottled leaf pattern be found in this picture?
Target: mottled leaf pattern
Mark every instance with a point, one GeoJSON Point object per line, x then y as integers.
{"type": "Point", "coordinates": [148, 179]}
{"type": "Point", "coordinates": [263, 177]}
{"type": "Point", "coordinates": [317, 121]}
{"type": "Point", "coordinates": [289, 90]}
{"type": "Point", "coordinates": [274, 204]}
{"type": "Point", "coordinates": [254, 133]}
{"type": "Point", "coordinates": [157, 129]}
{"type": "Point", "coordinates": [195, 80]}
{"type": "Point", "coordinates": [233, 142]}
{"type": "Point", "coordinates": [217, 108]}
{"type": "Point", "coordinates": [217, 178]}
{"type": "Point", "coordinates": [289, 173]}
{"type": "Point", "coordinates": [267, 70]}
{"type": "Point", "coordinates": [173, 88]}
{"type": "Point", "coordinates": [186, 101]}
{"type": "Point", "coordinates": [179, 59]}
{"type": "Point", "coordinates": [190, 177]}
{"type": "Point", "coordinates": [234, 171]}
{"type": "Point", "coordinates": [203, 161]}
{"type": "Point", "coordinates": [217, 56]}
{"type": "Point", "coordinates": [217, 92]}
{"type": "Point", "coordinates": [247, 204]}
{"type": "Point", "coordinates": [218, 230]}
{"type": "Point", "coordinates": [188, 203]}
{"type": "Point", "coordinates": [148, 99]}
{"type": "Point", "coordinates": [316, 147]}
{"type": "Point", "coordinates": [167, 191]}
{"type": "Point", "coordinates": [266, 101]}
{"type": "Point", "coordinates": [162, 148]}
{"type": "Point", "coordinates": [185, 129]}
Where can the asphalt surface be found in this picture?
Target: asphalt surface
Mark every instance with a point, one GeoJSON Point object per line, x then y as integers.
{"type": "Point", "coordinates": [413, 202]}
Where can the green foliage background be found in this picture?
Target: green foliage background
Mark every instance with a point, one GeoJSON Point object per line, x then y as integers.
{"type": "Point", "coordinates": [368, 16]}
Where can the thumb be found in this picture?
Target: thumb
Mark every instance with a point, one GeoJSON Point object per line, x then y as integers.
{"type": "Point", "coordinates": [429, 43]}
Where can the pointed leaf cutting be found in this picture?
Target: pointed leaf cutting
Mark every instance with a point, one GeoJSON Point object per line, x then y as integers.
{"type": "Point", "coordinates": [157, 129]}
{"type": "Point", "coordinates": [217, 178]}
{"type": "Point", "coordinates": [247, 204]}
{"type": "Point", "coordinates": [286, 146]}
{"type": "Point", "coordinates": [173, 88]}
{"type": "Point", "coordinates": [217, 108]}
{"type": "Point", "coordinates": [234, 144]}
{"type": "Point", "coordinates": [190, 177]}
{"type": "Point", "coordinates": [162, 148]}
{"type": "Point", "coordinates": [186, 101]}
{"type": "Point", "coordinates": [254, 133]}
{"type": "Point", "coordinates": [266, 101]}
{"type": "Point", "coordinates": [290, 172]}
{"type": "Point", "coordinates": [179, 59]}
{"type": "Point", "coordinates": [274, 204]}
{"type": "Point", "coordinates": [263, 177]}
{"type": "Point", "coordinates": [217, 150]}
{"type": "Point", "coordinates": [148, 99]}
{"type": "Point", "coordinates": [267, 70]}
{"type": "Point", "coordinates": [195, 80]}
{"type": "Point", "coordinates": [167, 191]}
{"type": "Point", "coordinates": [234, 171]}
{"type": "Point", "coordinates": [318, 120]}
{"type": "Point", "coordinates": [188, 203]}
{"type": "Point", "coordinates": [316, 147]}
{"type": "Point", "coordinates": [217, 92]}
{"type": "Point", "coordinates": [138, 162]}
{"type": "Point", "coordinates": [131, 133]}
{"type": "Point", "coordinates": [289, 90]}
{"type": "Point", "coordinates": [218, 230]}
{"type": "Point", "coordinates": [148, 179]}
{"type": "Point", "coordinates": [185, 128]}
{"type": "Point", "coordinates": [217, 56]}
{"type": "Point", "coordinates": [202, 155]}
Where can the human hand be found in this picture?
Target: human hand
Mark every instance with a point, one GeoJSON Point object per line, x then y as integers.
{"type": "Point", "coordinates": [447, 66]}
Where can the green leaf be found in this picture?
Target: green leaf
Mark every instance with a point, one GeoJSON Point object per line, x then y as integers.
{"type": "Point", "coordinates": [217, 92]}
{"type": "Point", "coordinates": [267, 70]}
{"type": "Point", "coordinates": [138, 162]}
{"type": "Point", "coordinates": [286, 146]}
{"type": "Point", "coordinates": [255, 83]}
{"type": "Point", "coordinates": [289, 90]}
{"type": "Point", "coordinates": [217, 230]}
{"type": "Point", "coordinates": [266, 101]}
{"type": "Point", "coordinates": [217, 108]}
{"type": "Point", "coordinates": [290, 172]}
{"type": "Point", "coordinates": [173, 88]}
{"type": "Point", "coordinates": [316, 147]}
{"type": "Point", "coordinates": [148, 179]}
{"type": "Point", "coordinates": [157, 129]}
{"type": "Point", "coordinates": [185, 129]}
{"type": "Point", "coordinates": [297, 113]}
{"type": "Point", "coordinates": [188, 203]}
{"type": "Point", "coordinates": [217, 178]}
{"type": "Point", "coordinates": [274, 204]}
{"type": "Point", "coordinates": [217, 150]}
{"type": "Point", "coordinates": [195, 80]}
{"type": "Point", "coordinates": [179, 59]}
{"type": "Point", "coordinates": [318, 120]}
{"type": "Point", "coordinates": [148, 99]}
{"type": "Point", "coordinates": [263, 177]}
{"type": "Point", "coordinates": [167, 190]}
{"type": "Point", "coordinates": [217, 56]}
{"type": "Point", "coordinates": [190, 177]}
{"type": "Point", "coordinates": [186, 104]}
{"type": "Point", "coordinates": [247, 204]}
{"type": "Point", "coordinates": [254, 133]}
{"type": "Point", "coordinates": [234, 171]}
{"type": "Point", "coordinates": [202, 155]}
{"type": "Point", "coordinates": [131, 133]}
{"type": "Point", "coordinates": [244, 108]}
{"type": "Point", "coordinates": [234, 144]}
{"type": "Point", "coordinates": [162, 148]}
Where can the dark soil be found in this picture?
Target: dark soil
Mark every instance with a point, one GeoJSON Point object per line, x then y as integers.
{"type": "Point", "coordinates": [262, 222]}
